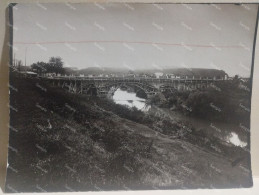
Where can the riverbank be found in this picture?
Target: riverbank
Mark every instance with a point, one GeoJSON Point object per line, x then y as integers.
{"type": "Point", "coordinates": [221, 130]}
{"type": "Point", "coordinates": [225, 102]}
{"type": "Point", "coordinates": [61, 141]}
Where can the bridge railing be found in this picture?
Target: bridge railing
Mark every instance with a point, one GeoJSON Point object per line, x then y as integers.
{"type": "Point", "coordinates": [135, 79]}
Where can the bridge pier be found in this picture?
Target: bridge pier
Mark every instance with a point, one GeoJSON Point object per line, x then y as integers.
{"type": "Point", "coordinates": [74, 87]}
{"type": "Point", "coordinates": [81, 88]}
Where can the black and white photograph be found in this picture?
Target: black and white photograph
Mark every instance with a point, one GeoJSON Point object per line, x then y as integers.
{"type": "Point", "coordinates": [130, 96]}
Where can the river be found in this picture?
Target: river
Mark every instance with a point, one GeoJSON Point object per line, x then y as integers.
{"type": "Point", "coordinates": [129, 99]}
{"type": "Point", "coordinates": [231, 133]}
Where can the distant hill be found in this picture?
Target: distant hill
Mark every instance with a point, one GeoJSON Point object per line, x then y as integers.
{"type": "Point", "coordinates": [197, 72]}
{"type": "Point", "coordinates": [101, 70]}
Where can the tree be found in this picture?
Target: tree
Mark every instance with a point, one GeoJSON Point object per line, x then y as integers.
{"type": "Point", "coordinates": [40, 67]}
{"type": "Point", "coordinates": [56, 65]}
{"type": "Point", "coordinates": [19, 64]}
{"type": "Point", "coordinates": [236, 77]}
{"type": "Point", "coordinates": [236, 80]}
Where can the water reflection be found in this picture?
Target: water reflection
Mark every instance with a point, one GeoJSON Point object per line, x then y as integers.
{"type": "Point", "coordinates": [234, 139]}
{"type": "Point", "coordinates": [130, 99]}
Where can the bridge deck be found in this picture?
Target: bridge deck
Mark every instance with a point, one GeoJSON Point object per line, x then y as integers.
{"type": "Point", "coordinates": [129, 79]}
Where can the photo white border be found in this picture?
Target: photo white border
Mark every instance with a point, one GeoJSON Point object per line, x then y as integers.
{"type": "Point", "coordinates": [4, 91]}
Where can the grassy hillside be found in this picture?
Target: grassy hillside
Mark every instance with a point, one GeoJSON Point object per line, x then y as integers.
{"type": "Point", "coordinates": [69, 142]}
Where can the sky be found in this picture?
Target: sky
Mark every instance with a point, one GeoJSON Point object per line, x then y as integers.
{"type": "Point", "coordinates": [137, 36]}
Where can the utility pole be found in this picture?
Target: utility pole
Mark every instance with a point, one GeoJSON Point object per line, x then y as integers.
{"type": "Point", "coordinates": [25, 57]}
{"type": "Point", "coordinates": [13, 60]}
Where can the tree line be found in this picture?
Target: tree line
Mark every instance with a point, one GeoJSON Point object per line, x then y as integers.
{"type": "Point", "coordinates": [54, 65]}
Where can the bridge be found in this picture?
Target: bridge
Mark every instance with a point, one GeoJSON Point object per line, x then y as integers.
{"type": "Point", "coordinates": [103, 86]}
